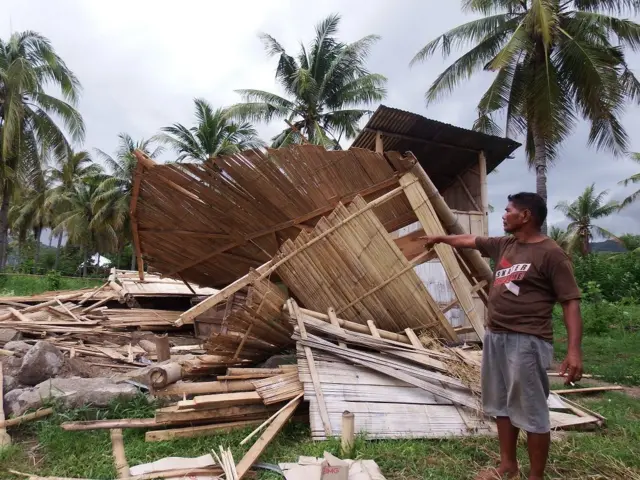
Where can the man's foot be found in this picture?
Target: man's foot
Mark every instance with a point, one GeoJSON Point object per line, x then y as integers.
{"type": "Point", "coordinates": [509, 472]}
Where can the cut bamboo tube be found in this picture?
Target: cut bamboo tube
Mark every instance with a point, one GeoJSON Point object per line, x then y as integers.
{"type": "Point", "coordinates": [160, 377]}
{"type": "Point", "coordinates": [12, 422]}
{"type": "Point", "coordinates": [199, 388]}
{"type": "Point", "coordinates": [110, 424]}
{"type": "Point", "coordinates": [348, 433]}
{"type": "Point", "coordinates": [119, 457]}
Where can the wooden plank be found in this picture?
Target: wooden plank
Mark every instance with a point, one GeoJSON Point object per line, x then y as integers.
{"type": "Point", "coordinates": [293, 307]}
{"type": "Point", "coordinates": [220, 400]}
{"type": "Point", "coordinates": [261, 444]}
{"type": "Point", "coordinates": [199, 431]}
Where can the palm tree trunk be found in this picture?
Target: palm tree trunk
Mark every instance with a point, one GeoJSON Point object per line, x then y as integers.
{"type": "Point", "coordinates": [540, 162]}
{"type": "Point", "coordinates": [133, 261]}
{"type": "Point", "coordinates": [58, 252]}
{"type": "Point", "coordinates": [36, 260]}
{"type": "Point", "coordinates": [50, 238]}
{"type": "Point", "coordinates": [4, 223]}
{"type": "Point", "coordinates": [86, 260]}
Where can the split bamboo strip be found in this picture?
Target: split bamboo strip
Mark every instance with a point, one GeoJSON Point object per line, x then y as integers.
{"type": "Point", "coordinates": [199, 431]}
{"type": "Point", "coordinates": [271, 418]}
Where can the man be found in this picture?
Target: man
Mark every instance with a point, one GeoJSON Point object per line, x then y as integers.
{"type": "Point", "coordinates": [532, 273]}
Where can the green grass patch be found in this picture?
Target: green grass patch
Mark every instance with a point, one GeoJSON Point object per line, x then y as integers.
{"type": "Point", "coordinates": [610, 353]}
{"type": "Point", "coordinates": [612, 452]}
{"type": "Point", "coordinates": [23, 285]}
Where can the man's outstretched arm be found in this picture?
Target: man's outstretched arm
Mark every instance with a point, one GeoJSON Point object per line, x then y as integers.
{"type": "Point", "coordinates": [456, 241]}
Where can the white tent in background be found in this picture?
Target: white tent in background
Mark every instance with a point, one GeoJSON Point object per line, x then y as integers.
{"type": "Point", "coordinates": [97, 261]}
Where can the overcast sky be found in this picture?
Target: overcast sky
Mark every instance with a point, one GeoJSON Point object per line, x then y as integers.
{"type": "Point", "coordinates": [142, 62]}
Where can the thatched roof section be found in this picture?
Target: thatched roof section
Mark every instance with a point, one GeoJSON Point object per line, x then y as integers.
{"type": "Point", "coordinates": [210, 224]}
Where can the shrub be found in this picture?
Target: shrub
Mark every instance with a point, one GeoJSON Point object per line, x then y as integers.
{"type": "Point", "coordinates": [617, 275]}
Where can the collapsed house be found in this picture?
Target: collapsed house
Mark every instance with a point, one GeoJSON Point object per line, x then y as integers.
{"type": "Point", "coordinates": [317, 254]}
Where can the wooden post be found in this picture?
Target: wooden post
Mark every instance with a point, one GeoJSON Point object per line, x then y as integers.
{"type": "Point", "coordinates": [348, 433]}
{"type": "Point", "coordinates": [119, 457]}
{"type": "Point", "coordinates": [379, 143]}
{"type": "Point", "coordinates": [484, 195]}
{"type": "Point", "coordinates": [163, 350]}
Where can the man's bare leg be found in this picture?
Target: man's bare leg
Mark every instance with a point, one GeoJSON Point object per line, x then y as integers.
{"type": "Point", "coordinates": [538, 446]}
{"type": "Point", "coordinates": [508, 437]}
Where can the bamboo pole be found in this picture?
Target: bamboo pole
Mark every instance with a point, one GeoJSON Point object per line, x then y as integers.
{"type": "Point", "coordinates": [119, 457]}
{"type": "Point", "coordinates": [450, 223]}
{"type": "Point", "coordinates": [348, 433]}
{"type": "Point", "coordinates": [163, 349]}
{"type": "Point", "coordinates": [12, 422]}
{"type": "Point", "coordinates": [484, 195]}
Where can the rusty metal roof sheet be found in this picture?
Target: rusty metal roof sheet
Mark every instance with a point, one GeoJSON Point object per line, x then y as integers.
{"type": "Point", "coordinates": [443, 150]}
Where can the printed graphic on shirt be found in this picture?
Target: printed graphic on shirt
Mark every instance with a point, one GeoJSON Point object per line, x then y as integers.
{"type": "Point", "coordinates": [507, 272]}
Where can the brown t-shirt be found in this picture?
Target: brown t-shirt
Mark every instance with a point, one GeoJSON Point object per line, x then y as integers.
{"type": "Point", "coordinates": [529, 279]}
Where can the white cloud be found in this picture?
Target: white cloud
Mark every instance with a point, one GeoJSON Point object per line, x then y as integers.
{"type": "Point", "coordinates": [142, 62]}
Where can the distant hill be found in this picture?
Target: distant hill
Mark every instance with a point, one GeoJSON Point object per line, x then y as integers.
{"type": "Point", "coordinates": [608, 246]}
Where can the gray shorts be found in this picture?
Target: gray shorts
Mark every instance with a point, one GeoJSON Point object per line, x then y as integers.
{"type": "Point", "coordinates": [514, 379]}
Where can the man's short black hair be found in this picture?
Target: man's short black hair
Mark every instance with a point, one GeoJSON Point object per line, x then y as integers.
{"type": "Point", "coordinates": [532, 202]}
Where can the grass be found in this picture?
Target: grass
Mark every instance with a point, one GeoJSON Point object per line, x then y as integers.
{"type": "Point", "coordinates": [610, 452]}
{"type": "Point", "coordinates": [610, 353]}
{"type": "Point", "coordinates": [22, 285]}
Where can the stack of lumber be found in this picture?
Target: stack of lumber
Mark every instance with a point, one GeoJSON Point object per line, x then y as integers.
{"type": "Point", "coordinates": [243, 397]}
{"type": "Point", "coordinates": [394, 384]}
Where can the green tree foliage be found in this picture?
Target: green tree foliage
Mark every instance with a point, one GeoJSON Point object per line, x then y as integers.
{"type": "Point", "coordinates": [214, 134]}
{"type": "Point", "coordinates": [28, 115]}
{"type": "Point", "coordinates": [555, 62]}
{"type": "Point", "coordinates": [583, 211]}
{"type": "Point", "coordinates": [326, 85]}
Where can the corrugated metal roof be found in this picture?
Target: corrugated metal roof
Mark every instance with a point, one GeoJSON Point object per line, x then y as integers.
{"type": "Point", "coordinates": [443, 150]}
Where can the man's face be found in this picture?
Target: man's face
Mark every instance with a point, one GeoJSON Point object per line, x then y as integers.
{"type": "Point", "coordinates": [514, 219]}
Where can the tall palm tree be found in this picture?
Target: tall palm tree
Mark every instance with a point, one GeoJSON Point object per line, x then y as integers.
{"type": "Point", "coordinates": [32, 212]}
{"type": "Point", "coordinates": [326, 87]}
{"type": "Point", "coordinates": [555, 61]}
{"type": "Point", "coordinates": [70, 168]}
{"type": "Point", "coordinates": [214, 134]}
{"type": "Point", "coordinates": [28, 63]}
{"type": "Point", "coordinates": [633, 179]}
{"type": "Point", "coordinates": [113, 196]}
{"type": "Point", "coordinates": [78, 219]}
{"type": "Point", "coordinates": [582, 212]}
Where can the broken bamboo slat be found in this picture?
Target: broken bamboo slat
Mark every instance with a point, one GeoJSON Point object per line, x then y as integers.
{"type": "Point", "coordinates": [199, 431]}
{"type": "Point", "coordinates": [588, 390]}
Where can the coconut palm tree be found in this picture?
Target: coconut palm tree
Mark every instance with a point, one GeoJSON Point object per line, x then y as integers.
{"type": "Point", "coordinates": [555, 61]}
{"type": "Point", "coordinates": [78, 219]}
{"type": "Point", "coordinates": [214, 134]}
{"type": "Point", "coordinates": [32, 212]}
{"type": "Point", "coordinates": [582, 212]}
{"type": "Point", "coordinates": [630, 242]}
{"type": "Point", "coordinates": [70, 168]}
{"type": "Point", "coordinates": [565, 239]}
{"type": "Point", "coordinates": [28, 63]}
{"type": "Point", "coordinates": [326, 86]}
{"type": "Point", "coordinates": [633, 179]}
{"type": "Point", "coordinates": [113, 196]}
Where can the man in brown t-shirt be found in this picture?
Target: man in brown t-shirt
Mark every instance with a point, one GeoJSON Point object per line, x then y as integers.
{"type": "Point", "coordinates": [532, 273]}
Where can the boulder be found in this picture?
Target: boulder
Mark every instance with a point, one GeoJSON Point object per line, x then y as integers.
{"type": "Point", "coordinates": [17, 346]}
{"type": "Point", "coordinates": [71, 392]}
{"type": "Point", "coordinates": [40, 363]}
{"type": "Point", "coordinates": [10, 383]}
{"type": "Point", "coordinates": [9, 335]}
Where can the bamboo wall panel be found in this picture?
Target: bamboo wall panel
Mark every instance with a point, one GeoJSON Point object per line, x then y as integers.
{"type": "Point", "coordinates": [213, 222]}
{"type": "Point", "coordinates": [359, 257]}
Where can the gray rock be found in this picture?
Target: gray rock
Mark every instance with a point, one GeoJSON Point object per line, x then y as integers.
{"type": "Point", "coordinates": [71, 392]}
{"type": "Point", "coordinates": [41, 362]}
{"type": "Point", "coordinates": [17, 346]}
{"type": "Point", "coordinates": [9, 335]}
{"type": "Point", "coordinates": [10, 383]}
{"type": "Point", "coordinates": [277, 360]}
